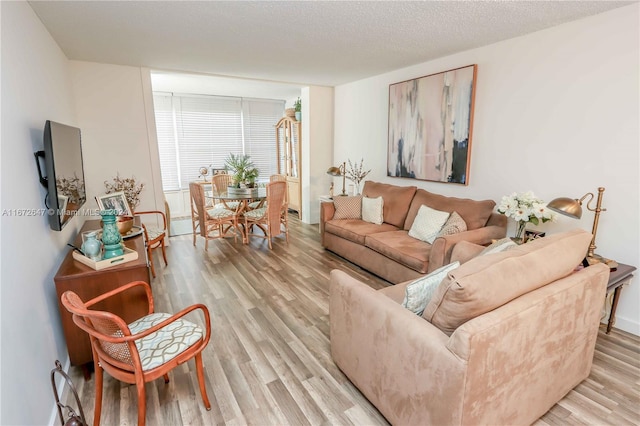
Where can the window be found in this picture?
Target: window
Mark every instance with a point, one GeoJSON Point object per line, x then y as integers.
{"type": "Point", "coordinates": [197, 131]}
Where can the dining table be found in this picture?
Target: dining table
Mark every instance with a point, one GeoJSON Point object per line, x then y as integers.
{"type": "Point", "coordinates": [243, 199]}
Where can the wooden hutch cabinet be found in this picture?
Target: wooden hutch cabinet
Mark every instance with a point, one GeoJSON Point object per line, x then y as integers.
{"type": "Point", "coordinates": [288, 139]}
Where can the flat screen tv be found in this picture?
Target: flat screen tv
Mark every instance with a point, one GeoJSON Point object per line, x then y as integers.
{"type": "Point", "coordinates": [64, 181]}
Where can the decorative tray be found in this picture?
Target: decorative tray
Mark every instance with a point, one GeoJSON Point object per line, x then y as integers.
{"type": "Point", "coordinates": [128, 256]}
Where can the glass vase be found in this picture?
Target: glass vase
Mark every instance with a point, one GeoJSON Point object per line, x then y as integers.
{"type": "Point", "coordinates": [520, 225]}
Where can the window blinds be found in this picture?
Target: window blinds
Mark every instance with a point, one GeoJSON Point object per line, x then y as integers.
{"type": "Point", "coordinates": [201, 131]}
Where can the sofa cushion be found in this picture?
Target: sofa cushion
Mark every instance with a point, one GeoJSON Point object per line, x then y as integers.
{"type": "Point", "coordinates": [355, 229]}
{"type": "Point", "coordinates": [396, 200]}
{"type": "Point", "coordinates": [475, 213]}
{"type": "Point", "coordinates": [372, 210]}
{"type": "Point", "coordinates": [428, 223]}
{"type": "Point", "coordinates": [454, 225]}
{"type": "Point", "coordinates": [348, 207]}
{"type": "Point", "coordinates": [487, 282]}
{"type": "Point", "coordinates": [419, 292]}
{"type": "Point", "coordinates": [399, 246]}
{"type": "Point", "coordinates": [498, 246]}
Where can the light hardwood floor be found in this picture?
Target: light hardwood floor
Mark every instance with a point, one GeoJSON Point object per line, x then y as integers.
{"type": "Point", "coordinates": [268, 362]}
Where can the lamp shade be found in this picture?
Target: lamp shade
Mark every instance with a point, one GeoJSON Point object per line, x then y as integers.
{"type": "Point", "coordinates": [566, 206]}
{"type": "Point", "coordinates": [334, 171]}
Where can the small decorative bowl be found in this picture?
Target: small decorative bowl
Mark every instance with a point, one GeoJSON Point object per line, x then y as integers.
{"type": "Point", "coordinates": [125, 223]}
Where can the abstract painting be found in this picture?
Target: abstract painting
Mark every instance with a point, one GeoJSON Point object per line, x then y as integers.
{"type": "Point", "coordinates": [430, 123]}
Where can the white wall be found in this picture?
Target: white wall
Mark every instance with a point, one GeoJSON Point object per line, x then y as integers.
{"type": "Point", "coordinates": [556, 112]}
{"type": "Point", "coordinates": [115, 114]}
{"type": "Point", "coordinates": [36, 87]}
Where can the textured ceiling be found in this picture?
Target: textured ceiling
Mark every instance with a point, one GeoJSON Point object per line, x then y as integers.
{"type": "Point", "coordinates": [304, 42]}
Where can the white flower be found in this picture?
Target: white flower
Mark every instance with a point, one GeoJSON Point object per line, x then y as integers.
{"type": "Point", "coordinates": [525, 207]}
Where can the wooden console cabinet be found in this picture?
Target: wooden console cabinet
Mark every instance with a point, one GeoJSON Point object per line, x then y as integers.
{"type": "Point", "coordinates": [89, 283]}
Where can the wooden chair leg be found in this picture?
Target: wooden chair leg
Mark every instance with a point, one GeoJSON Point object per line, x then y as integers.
{"type": "Point", "coordinates": [142, 401]}
{"type": "Point", "coordinates": [201, 382]}
{"type": "Point", "coordinates": [150, 256]}
{"type": "Point", "coordinates": [166, 378]}
{"type": "Point", "coordinates": [97, 409]}
{"type": "Point", "coordinates": [164, 254]}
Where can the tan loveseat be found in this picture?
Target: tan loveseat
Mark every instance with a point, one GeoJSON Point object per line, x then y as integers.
{"type": "Point", "coordinates": [504, 338]}
{"type": "Point", "coordinates": [387, 250]}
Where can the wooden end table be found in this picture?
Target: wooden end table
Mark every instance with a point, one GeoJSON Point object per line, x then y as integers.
{"type": "Point", "coordinates": [618, 278]}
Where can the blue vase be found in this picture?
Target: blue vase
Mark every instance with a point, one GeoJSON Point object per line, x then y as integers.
{"type": "Point", "coordinates": [91, 246]}
{"type": "Point", "coordinates": [111, 237]}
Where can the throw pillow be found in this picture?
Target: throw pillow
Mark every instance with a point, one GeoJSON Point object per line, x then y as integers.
{"type": "Point", "coordinates": [428, 223]}
{"type": "Point", "coordinates": [454, 224]}
{"type": "Point", "coordinates": [419, 292]}
{"type": "Point", "coordinates": [498, 246]}
{"type": "Point", "coordinates": [372, 210]}
{"type": "Point", "coordinates": [348, 207]}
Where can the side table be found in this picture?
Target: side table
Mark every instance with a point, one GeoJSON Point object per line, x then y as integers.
{"type": "Point", "coordinates": [618, 278]}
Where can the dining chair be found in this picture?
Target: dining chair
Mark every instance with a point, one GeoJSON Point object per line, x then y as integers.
{"type": "Point", "coordinates": [210, 221]}
{"type": "Point", "coordinates": [142, 351]}
{"type": "Point", "coordinates": [154, 237]}
{"type": "Point", "coordinates": [220, 184]}
{"type": "Point", "coordinates": [285, 204]}
{"type": "Point", "coordinates": [269, 217]}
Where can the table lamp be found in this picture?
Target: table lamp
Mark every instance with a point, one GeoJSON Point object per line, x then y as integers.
{"type": "Point", "coordinates": [573, 208]}
{"type": "Point", "coordinates": [339, 171]}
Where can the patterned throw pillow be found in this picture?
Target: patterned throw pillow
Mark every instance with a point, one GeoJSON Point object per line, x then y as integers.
{"type": "Point", "coordinates": [498, 246]}
{"type": "Point", "coordinates": [372, 210]}
{"type": "Point", "coordinates": [419, 293]}
{"type": "Point", "coordinates": [454, 225]}
{"type": "Point", "coordinates": [348, 207]}
{"type": "Point", "coordinates": [428, 223]}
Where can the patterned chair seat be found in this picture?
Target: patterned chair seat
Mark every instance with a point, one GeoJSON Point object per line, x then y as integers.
{"type": "Point", "coordinates": [256, 213]}
{"type": "Point", "coordinates": [231, 205]}
{"type": "Point", "coordinates": [154, 233]}
{"type": "Point", "coordinates": [165, 344]}
{"type": "Point", "coordinates": [219, 213]}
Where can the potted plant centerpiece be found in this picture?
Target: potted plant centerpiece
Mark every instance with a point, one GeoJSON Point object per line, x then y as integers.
{"type": "Point", "coordinates": [244, 173]}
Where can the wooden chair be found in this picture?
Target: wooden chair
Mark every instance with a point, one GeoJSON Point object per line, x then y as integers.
{"type": "Point", "coordinates": [268, 218]}
{"type": "Point", "coordinates": [285, 204]}
{"type": "Point", "coordinates": [220, 184]}
{"type": "Point", "coordinates": [154, 237]}
{"type": "Point", "coordinates": [210, 222]}
{"type": "Point", "coordinates": [143, 350]}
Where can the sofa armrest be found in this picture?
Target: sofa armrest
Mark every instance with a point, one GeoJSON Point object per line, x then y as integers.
{"type": "Point", "coordinates": [397, 359]}
{"type": "Point", "coordinates": [441, 248]}
{"type": "Point", "coordinates": [327, 210]}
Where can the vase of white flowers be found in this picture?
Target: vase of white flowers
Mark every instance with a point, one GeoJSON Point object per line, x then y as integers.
{"type": "Point", "coordinates": [356, 174]}
{"type": "Point", "coordinates": [525, 208]}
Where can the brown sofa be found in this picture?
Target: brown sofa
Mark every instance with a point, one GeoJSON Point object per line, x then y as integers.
{"type": "Point", "coordinates": [504, 338]}
{"type": "Point", "coordinates": [387, 250]}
